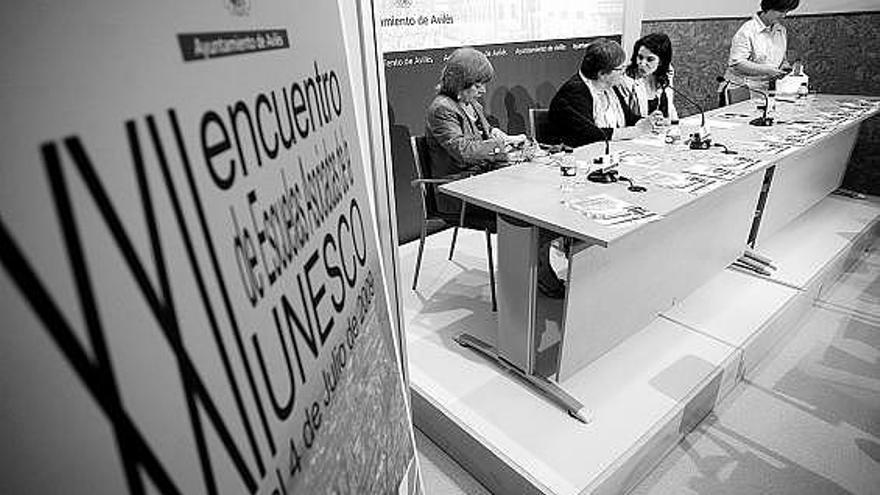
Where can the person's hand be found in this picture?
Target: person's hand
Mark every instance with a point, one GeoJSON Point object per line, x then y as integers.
{"type": "Point", "coordinates": [515, 140]}
{"type": "Point", "coordinates": [658, 121]}
{"type": "Point", "coordinates": [499, 150]}
{"type": "Point", "coordinates": [498, 135]}
{"type": "Point", "coordinates": [644, 125]}
{"type": "Point", "coordinates": [775, 73]}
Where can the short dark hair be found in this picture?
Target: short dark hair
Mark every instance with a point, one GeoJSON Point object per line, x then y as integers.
{"type": "Point", "coordinates": [779, 5]}
{"type": "Point", "coordinates": [465, 67]}
{"type": "Point", "coordinates": [601, 56]}
{"type": "Point", "coordinates": [658, 44]}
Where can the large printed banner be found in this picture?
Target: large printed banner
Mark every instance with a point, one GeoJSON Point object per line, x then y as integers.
{"type": "Point", "coordinates": [191, 295]}
{"type": "Point", "coordinates": [406, 25]}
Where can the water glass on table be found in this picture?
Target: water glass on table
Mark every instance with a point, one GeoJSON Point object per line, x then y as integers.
{"type": "Point", "coordinates": [659, 123]}
{"type": "Point", "coordinates": [568, 172]}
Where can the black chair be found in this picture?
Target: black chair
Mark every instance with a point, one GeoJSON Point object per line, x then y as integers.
{"type": "Point", "coordinates": [433, 216]}
{"type": "Point", "coordinates": [539, 123]}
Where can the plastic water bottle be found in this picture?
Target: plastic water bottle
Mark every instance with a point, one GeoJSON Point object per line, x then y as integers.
{"type": "Point", "coordinates": [771, 104]}
{"type": "Point", "coordinates": [658, 122]}
{"type": "Point", "coordinates": [803, 90]}
{"type": "Point", "coordinates": [583, 170]}
{"type": "Point", "coordinates": [567, 174]}
{"type": "Point", "coordinates": [673, 134]}
{"type": "Point", "coordinates": [802, 93]}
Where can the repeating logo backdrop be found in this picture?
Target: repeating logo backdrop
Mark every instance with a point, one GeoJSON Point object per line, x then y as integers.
{"type": "Point", "coordinates": [534, 45]}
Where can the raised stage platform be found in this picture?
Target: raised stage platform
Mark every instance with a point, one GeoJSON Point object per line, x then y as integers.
{"type": "Point", "coordinates": [645, 394]}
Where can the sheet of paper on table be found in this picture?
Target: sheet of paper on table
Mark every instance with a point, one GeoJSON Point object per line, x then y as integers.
{"type": "Point", "coordinates": [608, 210]}
{"type": "Point", "coordinates": [691, 183]}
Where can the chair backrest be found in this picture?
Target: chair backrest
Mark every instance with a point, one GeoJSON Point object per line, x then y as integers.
{"type": "Point", "coordinates": [731, 94]}
{"type": "Point", "coordinates": [539, 123]}
{"type": "Point", "coordinates": [422, 162]}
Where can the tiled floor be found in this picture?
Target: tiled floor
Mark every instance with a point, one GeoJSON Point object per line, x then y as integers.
{"type": "Point", "coordinates": [808, 422]}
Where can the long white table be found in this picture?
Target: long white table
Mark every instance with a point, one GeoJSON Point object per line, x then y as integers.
{"type": "Point", "coordinates": [620, 277]}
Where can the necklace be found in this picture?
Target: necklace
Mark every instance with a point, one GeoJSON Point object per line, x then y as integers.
{"type": "Point", "coordinates": [469, 110]}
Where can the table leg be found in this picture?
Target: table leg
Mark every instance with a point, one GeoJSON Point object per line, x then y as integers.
{"type": "Point", "coordinates": [517, 281]}
{"type": "Point", "coordinates": [515, 340]}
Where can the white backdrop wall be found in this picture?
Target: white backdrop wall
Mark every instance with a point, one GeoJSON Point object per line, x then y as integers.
{"type": "Point", "coordinates": [633, 11]}
{"type": "Point", "coordinates": [688, 9]}
{"type": "Point", "coordinates": [366, 87]}
{"type": "Point", "coordinates": [349, 13]}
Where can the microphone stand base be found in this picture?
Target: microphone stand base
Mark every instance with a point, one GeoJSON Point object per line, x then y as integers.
{"type": "Point", "coordinates": [602, 177]}
{"type": "Point", "coordinates": [762, 122]}
{"type": "Point", "coordinates": [702, 144]}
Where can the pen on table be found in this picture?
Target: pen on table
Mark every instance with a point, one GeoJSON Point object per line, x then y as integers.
{"type": "Point", "coordinates": [583, 415]}
{"type": "Point", "coordinates": [753, 265]}
{"type": "Point", "coordinates": [759, 258]}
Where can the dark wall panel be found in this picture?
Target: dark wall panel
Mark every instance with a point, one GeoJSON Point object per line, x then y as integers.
{"type": "Point", "coordinates": [526, 76]}
{"type": "Point", "coordinates": [842, 56]}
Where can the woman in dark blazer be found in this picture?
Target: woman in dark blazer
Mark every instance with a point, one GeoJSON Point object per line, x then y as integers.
{"type": "Point", "coordinates": [589, 107]}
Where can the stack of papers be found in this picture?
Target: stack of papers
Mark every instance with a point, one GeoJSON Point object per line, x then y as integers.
{"type": "Point", "coordinates": [711, 170]}
{"type": "Point", "coordinates": [696, 184]}
{"type": "Point", "coordinates": [727, 167]}
{"type": "Point", "coordinates": [656, 140]}
{"type": "Point", "coordinates": [608, 210]}
{"type": "Point", "coordinates": [734, 116]}
{"type": "Point", "coordinates": [640, 159]}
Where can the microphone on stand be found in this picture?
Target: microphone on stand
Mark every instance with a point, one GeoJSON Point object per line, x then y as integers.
{"type": "Point", "coordinates": [616, 177]}
{"type": "Point", "coordinates": [727, 151]}
{"type": "Point", "coordinates": [607, 171]}
{"type": "Point", "coordinates": [763, 120]}
{"type": "Point", "coordinates": [700, 140]}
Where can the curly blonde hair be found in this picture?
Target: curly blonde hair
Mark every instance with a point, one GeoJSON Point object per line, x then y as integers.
{"type": "Point", "coordinates": [465, 67]}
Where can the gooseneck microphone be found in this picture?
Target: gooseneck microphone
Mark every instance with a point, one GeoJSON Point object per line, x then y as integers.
{"type": "Point", "coordinates": [607, 166]}
{"type": "Point", "coordinates": [763, 120]}
{"type": "Point", "coordinates": [727, 151]}
{"type": "Point", "coordinates": [699, 140]}
{"type": "Point", "coordinates": [691, 101]}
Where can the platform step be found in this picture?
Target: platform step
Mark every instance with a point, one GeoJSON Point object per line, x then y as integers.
{"type": "Point", "coordinates": [646, 393]}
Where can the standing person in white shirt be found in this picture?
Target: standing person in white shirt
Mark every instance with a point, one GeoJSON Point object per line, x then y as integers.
{"type": "Point", "coordinates": [757, 51]}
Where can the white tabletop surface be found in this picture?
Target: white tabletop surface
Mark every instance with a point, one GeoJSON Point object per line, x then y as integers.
{"type": "Point", "coordinates": [531, 191]}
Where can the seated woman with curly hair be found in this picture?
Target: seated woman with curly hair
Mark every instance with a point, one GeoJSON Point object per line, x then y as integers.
{"type": "Point", "coordinates": [462, 142]}
{"type": "Point", "coordinates": [459, 137]}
